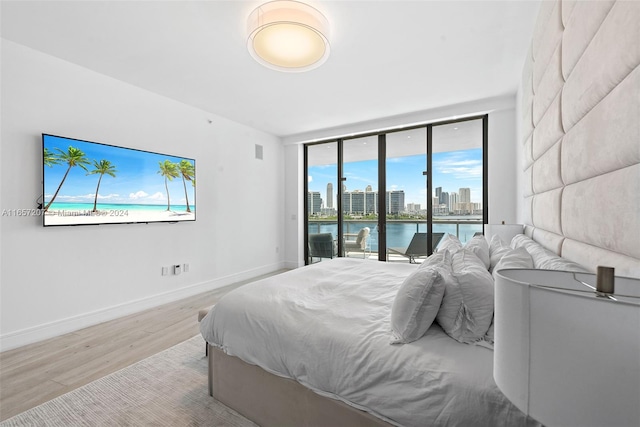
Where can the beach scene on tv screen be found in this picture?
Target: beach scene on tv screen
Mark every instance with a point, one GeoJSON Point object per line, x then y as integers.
{"type": "Point", "coordinates": [92, 183]}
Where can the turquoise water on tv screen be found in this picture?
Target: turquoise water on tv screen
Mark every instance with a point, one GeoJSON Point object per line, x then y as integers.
{"type": "Point", "coordinates": [112, 207]}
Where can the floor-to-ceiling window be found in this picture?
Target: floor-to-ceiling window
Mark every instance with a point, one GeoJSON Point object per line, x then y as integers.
{"type": "Point", "coordinates": [360, 196]}
{"type": "Point", "coordinates": [406, 192]}
{"type": "Point", "coordinates": [457, 177]}
{"type": "Point", "coordinates": [321, 202]}
{"type": "Point", "coordinates": [400, 189]}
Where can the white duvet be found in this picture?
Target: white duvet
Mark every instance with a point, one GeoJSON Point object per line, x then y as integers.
{"type": "Point", "coordinates": [327, 327]}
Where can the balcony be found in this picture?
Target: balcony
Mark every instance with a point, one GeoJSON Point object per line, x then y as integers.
{"type": "Point", "coordinates": [400, 232]}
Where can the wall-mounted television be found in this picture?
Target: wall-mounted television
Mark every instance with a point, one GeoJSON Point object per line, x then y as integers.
{"type": "Point", "coordinates": [93, 183]}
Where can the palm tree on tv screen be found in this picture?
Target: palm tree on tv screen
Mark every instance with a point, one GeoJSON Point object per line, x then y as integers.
{"type": "Point", "coordinates": [50, 159]}
{"type": "Point", "coordinates": [169, 170]}
{"type": "Point", "coordinates": [72, 157]}
{"type": "Point", "coordinates": [102, 167]}
{"type": "Point", "coordinates": [187, 171]}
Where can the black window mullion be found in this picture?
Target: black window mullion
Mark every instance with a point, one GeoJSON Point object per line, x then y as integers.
{"type": "Point", "coordinates": [382, 197]}
{"type": "Point", "coordinates": [429, 176]}
{"type": "Point", "coordinates": [485, 169]}
{"type": "Point", "coordinates": [306, 204]}
{"type": "Point", "coordinates": [341, 179]}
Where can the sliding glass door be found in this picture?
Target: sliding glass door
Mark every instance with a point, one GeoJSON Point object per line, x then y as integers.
{"type": "Point", "coordinates": [458, 171]}
{"type": "Point", "coordinates": [321, 201]}
{"type": "Point", "coordinates": [406, 193]}
{"type": "Point", "coordinates": [360, 196]}
{"type": "Point", "coordinates": [393, 195]}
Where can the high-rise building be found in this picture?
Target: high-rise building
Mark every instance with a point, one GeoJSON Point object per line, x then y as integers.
{"type": "Point", "coordinates": [359, 202]}
{"type": "Point", "coordinates": [465, 195]}
{"type": "Point", "coordinates": [453, 202]}
{"type": "Point", "coordinates": [443, 196]}
{"type": "Point", "coordinates": [395, 201]}
{"type": "Point", "coordinates": [314, 202]}
{"type": "Point", "coordinates": [413, 207]}
{"type": "Point", "coordinates": [444, 200]}
{"type": "Point", "coordinates": [329, 195]}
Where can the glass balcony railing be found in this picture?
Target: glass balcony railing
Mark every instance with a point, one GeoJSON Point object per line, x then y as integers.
{"type": "Point", "coordinates": [400, 232]}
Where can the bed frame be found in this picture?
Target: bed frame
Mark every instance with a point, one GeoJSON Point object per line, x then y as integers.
{"type": "Point", "coordinates": [270, 400]}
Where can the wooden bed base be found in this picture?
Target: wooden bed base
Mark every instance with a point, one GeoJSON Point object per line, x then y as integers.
{"type": "Point", "coordinates": [270, 400]}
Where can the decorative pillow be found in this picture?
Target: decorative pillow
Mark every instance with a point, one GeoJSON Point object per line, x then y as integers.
{"type": "Point", "coordinates": [416, 304]}
{"type": "Point", "coordinates": [479, 246]}
{"type": "Point", "coordinates": [450, 243]}
{"type": "Point", "coordinates": [554, 262]}
{"type": "Point", "coordinates": [544, 258]}
{"type": "Point", "coordinates": [466, 311]}
{"type": "Point", "coordinates": [514, 258]}
{"type": "Point", "coordinates": [438, 258]}
{"type": "Point", "coordinates": [497, 249]}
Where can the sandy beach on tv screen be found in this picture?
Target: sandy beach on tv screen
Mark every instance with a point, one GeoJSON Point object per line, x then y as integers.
{"type": "Point", "coordinates": [69, 217]}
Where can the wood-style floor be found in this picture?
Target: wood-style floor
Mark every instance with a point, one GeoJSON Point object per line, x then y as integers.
{"type": "Point", "coordinates": [38, 372]}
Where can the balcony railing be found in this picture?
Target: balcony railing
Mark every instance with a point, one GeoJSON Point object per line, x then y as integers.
{"type": "Point", "coordinates": [400, 231]}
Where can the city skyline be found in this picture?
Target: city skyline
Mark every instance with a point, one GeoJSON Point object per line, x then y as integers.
{"type": "Point", "coordinates": [451, 171]}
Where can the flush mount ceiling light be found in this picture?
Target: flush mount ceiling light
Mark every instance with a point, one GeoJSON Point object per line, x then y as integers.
{"type": "Point", "coordinates": [288, 36]}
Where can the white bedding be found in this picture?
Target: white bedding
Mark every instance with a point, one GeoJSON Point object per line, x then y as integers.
{"type": "Point", "coordinates": [327, 326]}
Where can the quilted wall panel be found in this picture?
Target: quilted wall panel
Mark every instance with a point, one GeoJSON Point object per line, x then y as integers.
{"type": "Point", "coordinates": [581, 132]}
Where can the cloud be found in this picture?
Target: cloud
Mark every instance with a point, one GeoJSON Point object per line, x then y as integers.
{"type": "Point", "coordinates": [460, 168]}
{"type": "Point", "coordinates": [138, 195]}
{"type": "Point", "coordinates": [310, 178]}
{"type": "Point", "coordinates": [109, 196]}
{"type": "Point", "coordinates": [77, 198]}
{"type": "Point", "coordinates": [141, 196]}
{"type": "Point", "coordinates": [157, 196]}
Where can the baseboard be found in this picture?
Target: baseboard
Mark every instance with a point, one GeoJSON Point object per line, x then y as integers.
{"type": "Point", "coordinates": [290, 265]}
{"type": "Point", "coordinates": [63, 326]}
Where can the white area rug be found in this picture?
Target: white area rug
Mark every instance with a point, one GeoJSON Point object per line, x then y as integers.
{"type": "Point", "coordinates": [167, 389]}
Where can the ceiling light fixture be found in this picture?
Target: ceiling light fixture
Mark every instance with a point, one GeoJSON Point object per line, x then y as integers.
{"type": "Point", "coordinates": [288, 35]}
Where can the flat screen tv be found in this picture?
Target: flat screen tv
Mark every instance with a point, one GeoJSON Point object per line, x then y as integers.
{"type": "Point", "coordinates": [92, 183]}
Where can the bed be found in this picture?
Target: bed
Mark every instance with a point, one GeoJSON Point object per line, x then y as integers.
{"type": "Point", "coordinates": [314, 346]}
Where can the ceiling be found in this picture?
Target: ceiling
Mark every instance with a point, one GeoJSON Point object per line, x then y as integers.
{"type": "Point", "coordinates": [388, 58]}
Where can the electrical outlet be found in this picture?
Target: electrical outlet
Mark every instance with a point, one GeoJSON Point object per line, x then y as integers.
{"type": "Point", "coordinates": [165, 271]}
{"type": "Point", "coordinates": [185, 267]}
{"type": "Point", "coordinates": [177, 269]}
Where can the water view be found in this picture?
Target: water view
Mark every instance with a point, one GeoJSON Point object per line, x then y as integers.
{"type": "Point", "coordinates": [400, 233]}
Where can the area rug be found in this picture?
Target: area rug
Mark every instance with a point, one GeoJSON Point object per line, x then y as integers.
{"type": "Point", "coordinates": [167, 389]}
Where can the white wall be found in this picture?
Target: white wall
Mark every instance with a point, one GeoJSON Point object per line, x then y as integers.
{"type": "Point", "coordinates": [58, 279]}
{"type": "Point", "coordinates": [502, 160]}
{"type": "Point", "coordinates": [503, 166]}
{"type": "Point", "coordinates": [519, 156]}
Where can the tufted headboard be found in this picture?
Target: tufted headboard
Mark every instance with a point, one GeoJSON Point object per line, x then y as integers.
{"type": "Point", "coordinates": [581, 133]}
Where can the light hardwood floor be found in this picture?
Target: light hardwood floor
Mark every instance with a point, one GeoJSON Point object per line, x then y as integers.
{"type": "Point", "coordinates": [38, 372]}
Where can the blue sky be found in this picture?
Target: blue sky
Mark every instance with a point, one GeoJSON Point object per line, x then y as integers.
{"type": "Point", "coordinates": [451, 171]}
{"type": "Point", "coordinates": [136, 181]}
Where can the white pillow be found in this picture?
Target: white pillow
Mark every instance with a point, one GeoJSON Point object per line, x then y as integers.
{"type": "Point", "coordinates": [514, 258]}
{"type": "Point", "coordinates": [544, 258]}
{"type": "Point", "coordinates": [438, 258]}
{"type": "Point", "coordinates": [466, 311]}
{"type": "Point", "coordinates": [520, 240]}
{"type": "Point", "coordinates": [497, 249]}
{"type": "Point", "coordinates": [449, 242]}
{"type": "Point", "coordinates": [479, 246]}
{"type": "Point", "coordinates": [416, 304]}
